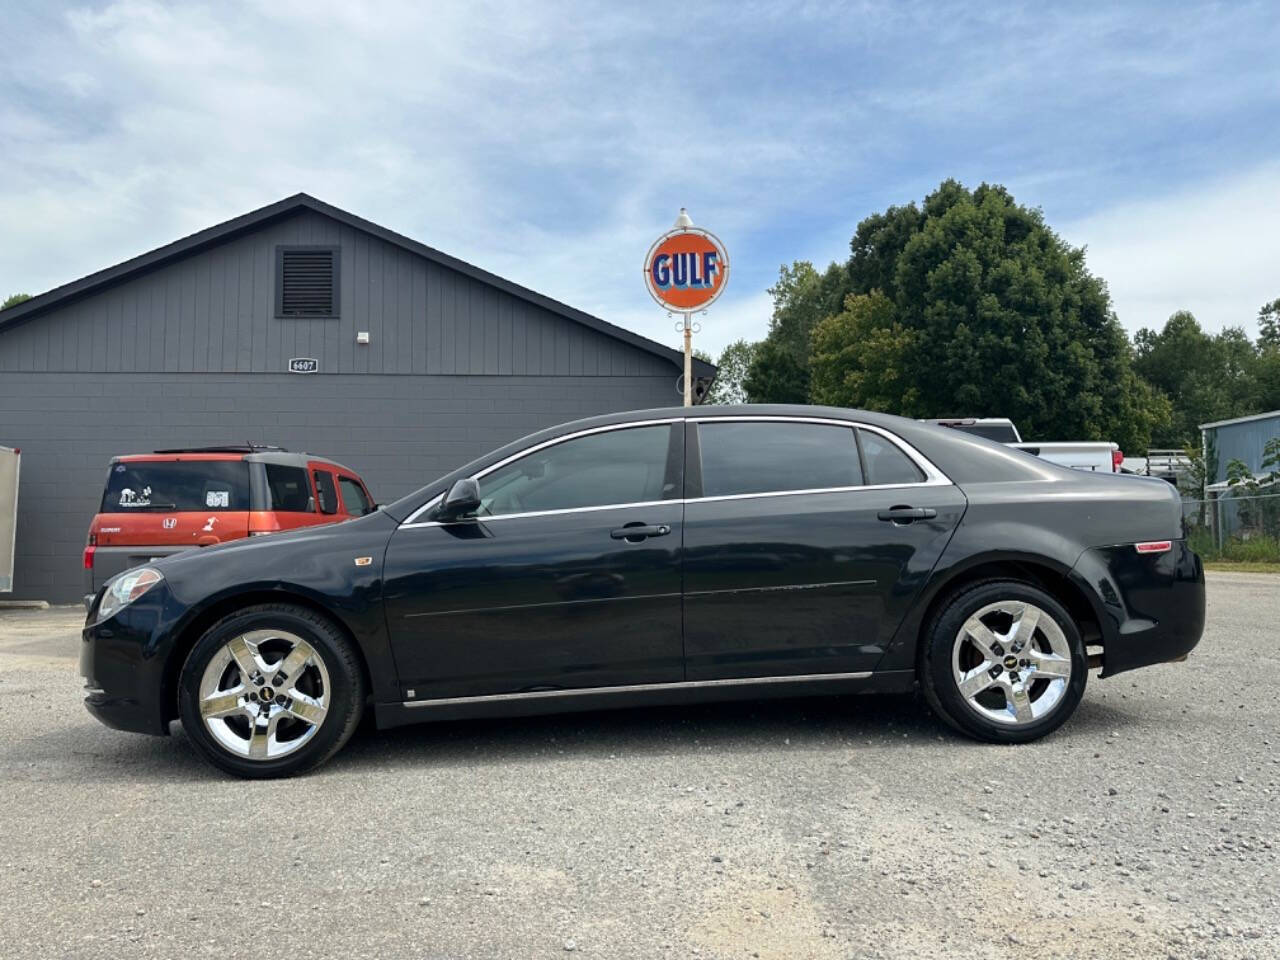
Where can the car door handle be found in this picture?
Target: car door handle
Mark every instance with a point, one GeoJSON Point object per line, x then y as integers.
{"type": "Point", "coordinates": [907, 514]}
{"type": "Point", "coordinates": [635, 532]}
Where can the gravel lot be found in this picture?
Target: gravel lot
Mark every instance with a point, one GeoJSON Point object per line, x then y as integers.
{"type": "Point", "coordinates": [796, 829]}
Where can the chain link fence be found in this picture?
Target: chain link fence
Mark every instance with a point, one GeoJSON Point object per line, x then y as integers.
{"type": "Point", "coordinates": [1239, 526]}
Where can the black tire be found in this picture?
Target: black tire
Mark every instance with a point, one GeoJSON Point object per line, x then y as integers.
{"type": "Point", "coordinates": [345, 696]}
{"type": "Point", "coordinates": [940, 685]}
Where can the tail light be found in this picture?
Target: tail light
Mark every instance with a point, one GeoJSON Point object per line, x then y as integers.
{"type": "Point", "coordinates": [88, 556]}
{"type": "Point", "coordinates": [1117, 458]}
{"type": "Point", "coordinates": [1154, 546]}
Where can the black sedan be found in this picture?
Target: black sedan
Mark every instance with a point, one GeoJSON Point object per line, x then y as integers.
{"type": "Point", "coordinates": [660, 557]}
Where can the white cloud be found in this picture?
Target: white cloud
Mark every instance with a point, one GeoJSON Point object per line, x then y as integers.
{"type": "Point", "coordinates": [1213, 249]}
{"type": "Point", "coordinates": [552, 144]}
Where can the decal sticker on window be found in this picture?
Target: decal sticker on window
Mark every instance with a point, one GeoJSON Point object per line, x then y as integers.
{"type": "Point", "coordinates": [132, 498]}
{"type": "Point", "coordinates": [217, 498]}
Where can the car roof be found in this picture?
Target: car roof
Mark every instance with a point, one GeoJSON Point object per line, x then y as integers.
{"type": "Point", "coordinates": [962, 457]}
{"type": "Point", "coordinates": [275, 455]}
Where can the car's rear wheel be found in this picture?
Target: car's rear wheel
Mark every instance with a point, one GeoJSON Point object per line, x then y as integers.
{"type": "Point", "coordinates": [1004, 662]}
{"type": "Point", "coordinates": [270, 691]}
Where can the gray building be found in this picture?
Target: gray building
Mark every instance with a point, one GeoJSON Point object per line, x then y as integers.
{"type": "Point", "coordinates": [422, 362]}
{"type": "Point", "coordinates": [1242, 438]}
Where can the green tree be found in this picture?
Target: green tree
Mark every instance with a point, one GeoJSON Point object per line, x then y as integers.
{"type": "Point", "coordinates": [776, 375]}
{"type": "Point", "coordinates": [14, 300]}
{"type": "Point", "coordinates": [1269, 325]}
{"type": "Point", "coordinates": [735, 360]}
{"type": "Point", "coordinates": [861, 357]}
{"type": "Point", "coordinates": [992, 314]}
{"type": "Point", "coordinates": [1267, 366]}
{"type": "Point", "coordinates": [1204, 376]}
{"type": "Point", "coordinates": [801, 298]}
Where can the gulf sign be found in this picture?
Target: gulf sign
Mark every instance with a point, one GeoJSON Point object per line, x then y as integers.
{"type": "Point", "coordinates": [686, 269]}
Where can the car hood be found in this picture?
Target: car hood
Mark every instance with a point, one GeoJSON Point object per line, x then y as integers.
{"type": "Point", "coordinates": [276, 555]}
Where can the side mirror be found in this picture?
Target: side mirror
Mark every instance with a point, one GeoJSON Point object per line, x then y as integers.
{"type": "Point", "coordinates": [463, 498]}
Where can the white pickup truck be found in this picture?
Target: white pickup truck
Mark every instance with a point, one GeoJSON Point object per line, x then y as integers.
{"type": "Point", "coordinates": [1095, 455]}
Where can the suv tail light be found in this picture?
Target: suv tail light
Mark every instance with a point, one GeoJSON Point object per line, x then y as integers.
{"type": "Point", "coordinates": [1117, 458]}
{"type": "Point", "coordinates": [88, 556]}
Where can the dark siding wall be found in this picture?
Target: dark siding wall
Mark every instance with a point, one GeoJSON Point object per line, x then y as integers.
{"type": "Point", "coordinates": [215, 312]}
{"type": "Point", "coordinates": [398, 432]}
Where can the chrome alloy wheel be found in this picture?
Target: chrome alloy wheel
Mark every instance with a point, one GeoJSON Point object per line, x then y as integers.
{"type": "Point", "coordinates": [1011, 662]}
{"type": "Point", "coordinates": [264, 694]}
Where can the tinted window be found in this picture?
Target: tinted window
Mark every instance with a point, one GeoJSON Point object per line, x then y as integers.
{"type": "Point", "coordinates": [326, 491]}
{"type": "Point", "coordinates": [999, 432]}
{"type": "Point", "coordinates": [886, 463]}
{"type": "Point", "coordinates": [209, 485]}
{"type": "Point", "coordinates": [620, 466]}
{"type": "Point", "coordinates": [353, 497]}
{"type": "Point", "coordinates": [289, 489]}
{"type": "Point", "coordinates": [763, 457]}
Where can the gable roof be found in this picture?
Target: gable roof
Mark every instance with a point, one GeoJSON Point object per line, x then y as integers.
{"type": "Point", "coordinates": [246, 223]}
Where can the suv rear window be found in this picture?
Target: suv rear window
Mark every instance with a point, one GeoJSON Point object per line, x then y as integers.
{"type": "Point", "coordinates": [143, 486]}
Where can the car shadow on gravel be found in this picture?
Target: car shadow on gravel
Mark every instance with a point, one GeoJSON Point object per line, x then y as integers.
{"type": "Point", "coordinates": [802, 724]}
{"type": "Point", "coordinates": [812, 723]}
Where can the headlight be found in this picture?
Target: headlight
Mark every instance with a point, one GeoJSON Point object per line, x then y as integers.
{"type": "Point", "coordinates": [125, 589]}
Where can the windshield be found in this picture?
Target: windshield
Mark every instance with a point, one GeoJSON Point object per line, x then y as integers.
{"type": "Point", "coordinates": [204, 485]}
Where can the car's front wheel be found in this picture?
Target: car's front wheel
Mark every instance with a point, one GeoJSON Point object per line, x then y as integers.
{"type": "Point", "coordinates": [1004, 662]}
{"type": "Point", "coordinates": [271, 690]}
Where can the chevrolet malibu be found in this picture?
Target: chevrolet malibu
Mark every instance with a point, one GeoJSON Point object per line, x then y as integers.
{"type": "Point", "coordinates": [662, 557]}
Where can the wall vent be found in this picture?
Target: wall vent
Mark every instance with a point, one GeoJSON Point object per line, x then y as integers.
{"type": "Point", "coordinates": [306, 281]}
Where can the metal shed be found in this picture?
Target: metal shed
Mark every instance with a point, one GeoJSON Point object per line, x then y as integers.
{"type": "Point", "coordinates": [414, 362]}
{"type": "Point", "coordinates": [1239, 439]}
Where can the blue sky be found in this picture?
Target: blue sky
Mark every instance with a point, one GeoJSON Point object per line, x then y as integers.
{"type": "Point", "coordinates": [552, 143]}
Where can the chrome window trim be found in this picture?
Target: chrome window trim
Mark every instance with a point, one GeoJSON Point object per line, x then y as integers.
{"type": "Point", "coordinates": [544, 513]}
{"type": "Point", "coordinates": [933, 476]}
{"type": "Point", "coordinates": [636, 688]}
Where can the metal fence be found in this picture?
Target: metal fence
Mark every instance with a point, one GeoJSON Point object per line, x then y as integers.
{"type": "Point", "coordinates": [1235, 525]}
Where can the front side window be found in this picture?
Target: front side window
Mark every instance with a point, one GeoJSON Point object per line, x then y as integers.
{"type": "Point", "coordinates": [618, 466]}
{"type": "Point", "coordinates": [354, 498]}
{"type": "Point", "coordinates": [886, 463]}
{"type": "Point", "coordinates": [764, 457]}
{"type": "Point", "coordinates": [289, 488]}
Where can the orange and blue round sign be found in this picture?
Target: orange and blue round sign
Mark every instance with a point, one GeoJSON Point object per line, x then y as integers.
{"type": "Point", "coordinates": [686, 269]}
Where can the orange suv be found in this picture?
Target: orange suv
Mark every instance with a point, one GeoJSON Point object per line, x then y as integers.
{"type": "Point", "coordinates": [160, 503]}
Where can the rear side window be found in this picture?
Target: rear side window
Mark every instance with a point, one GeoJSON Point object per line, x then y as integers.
{"type": "Point", "coordinates": [886, 463]}
{"type": "Point", "coordinates": [741, 458]}
{"type": "Point", "coordinates": [354, 497]}
{"type": "Point", "coordinates": [171, 486]}
{"type": "Point", "coordinates": [326, 491]}
{"type": "Point", "coordinates": [289, 489]}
